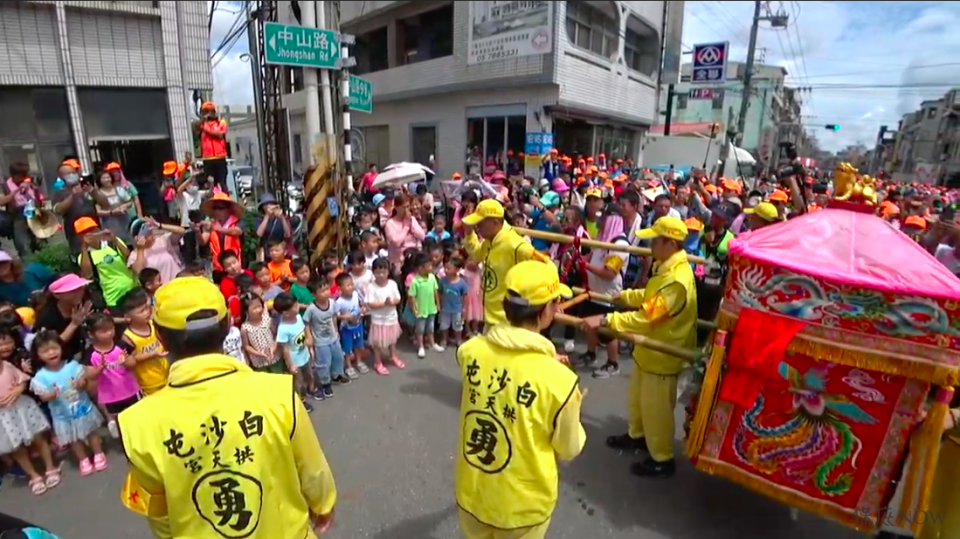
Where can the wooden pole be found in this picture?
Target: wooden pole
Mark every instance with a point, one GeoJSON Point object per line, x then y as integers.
{"type": "Point", "coordinates": [595, 244]}
{"type": "Point", "coordinates": [639, 340]}
{"type": "Point", "coordinates": [609, 299]}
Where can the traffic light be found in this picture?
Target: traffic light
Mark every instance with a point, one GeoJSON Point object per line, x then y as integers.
{"type": "Point", "coordinates": [833, 127]}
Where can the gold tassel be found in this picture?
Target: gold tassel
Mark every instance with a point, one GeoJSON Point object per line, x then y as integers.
{"type": "Point", "coordinates": [786, 496]}
{"type": "Point", "coordinates": [925, 449]}
{"type": "Point", "coordinates": [708, 395]}
{"type": "Point", "coordinates": [861, 358]}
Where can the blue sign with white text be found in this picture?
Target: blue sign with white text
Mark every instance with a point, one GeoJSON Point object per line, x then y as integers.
{"type": "Point", "coordinates": [538, 143]}
{"type": "Point", "coordinates": [709, 63]}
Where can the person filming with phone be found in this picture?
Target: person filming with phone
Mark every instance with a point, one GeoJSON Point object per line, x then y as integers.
{"type": "Point", "coordinates": [103, 257]}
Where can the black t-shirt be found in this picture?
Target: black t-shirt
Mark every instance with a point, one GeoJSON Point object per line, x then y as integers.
{"type": "Point", "coordinates": [51, 318]}
{"type": "Point", "coordinates": [83, 206]}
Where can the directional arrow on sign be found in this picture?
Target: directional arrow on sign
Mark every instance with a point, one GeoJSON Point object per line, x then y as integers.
{"type": "Point", "coordinates": [273, 42]}
{"type": "Point", "coordinates": [540, 39]}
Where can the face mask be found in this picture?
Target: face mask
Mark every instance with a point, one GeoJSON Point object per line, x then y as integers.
{"type": "Point", "coordinates": [71, 178]}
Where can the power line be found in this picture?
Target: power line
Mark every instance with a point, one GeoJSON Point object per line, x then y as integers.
{"type": "Point", "coordinates": [908, 68]}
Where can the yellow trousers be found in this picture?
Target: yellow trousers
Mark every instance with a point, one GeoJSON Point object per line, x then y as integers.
{"type": "Point", "coordinates": [943, 515]}
{"type": "Point", "coordinates": [474, 529]}
{"type": "Point", "coordinates": [651, 400]}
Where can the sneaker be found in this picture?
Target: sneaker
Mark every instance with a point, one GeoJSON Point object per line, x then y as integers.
{"type": "Point", "coordinates": [438, 348]}
{"type": "Point", "coordinates": [421, 353]}
{"type": "Point", "coordinates": [327, 391]}
{"type": "Point", "coordinates": [606, 371]}
{"type": "Point", "coordinates": [351, 373]}
{"type": "Point", "coordinates": [589, 359]}
{"type": "Point", "coordinates": [568, 346]}
{"type": "Point", "coordinates": [317, 394]}
{"type": "Point", "coordinates": [362, 367]}
{"type": "Point", "coordinates": [114, 430]}
{"type": "Point", "coordinates": [341, 379]}
{"type": "Point", "coordinates": [307, 405]}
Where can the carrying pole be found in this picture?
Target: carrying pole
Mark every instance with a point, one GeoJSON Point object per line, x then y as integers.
{"type": "Point", "coordinates": [639, 340]}
{"type": "Point", "coordinates": [596, 244]}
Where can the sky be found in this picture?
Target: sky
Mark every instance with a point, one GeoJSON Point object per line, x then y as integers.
{"type": "Point", "coordinates": [845, 52]}
{"type": "Point", "coordinates": [867, 63]}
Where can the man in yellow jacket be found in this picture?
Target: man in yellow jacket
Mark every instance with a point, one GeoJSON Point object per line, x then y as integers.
{"type": "Point", "coordinates": [668, 313]}
{"type": "Point", "coordinates": [221, 451]}
{"type": "Point", "coordinates": [500, 249]}
{"type": "Point", "coordinates": [519, 414]}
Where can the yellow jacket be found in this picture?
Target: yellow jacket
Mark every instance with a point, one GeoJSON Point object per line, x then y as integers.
{"type": "Point", "coordinates": [667, 312]}
{"type": "Point", "coordinates": [498, 255]}
{"type": "Point", "coordinates": [519, 414]}
{"type": "Point", "coordinates": [223, 451]}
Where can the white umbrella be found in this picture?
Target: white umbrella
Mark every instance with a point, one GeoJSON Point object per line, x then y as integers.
{"type": "Point", "coordinates": [404, 164]}
{"type": "Point", "coordinates": [397, 175]}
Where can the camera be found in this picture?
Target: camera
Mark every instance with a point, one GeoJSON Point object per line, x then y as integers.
{"type": "Point", "coordinates": [794, 166]}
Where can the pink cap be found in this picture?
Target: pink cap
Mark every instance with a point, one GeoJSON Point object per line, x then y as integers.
{"type": "Point", "coordinates": [559, 186]}
{"type": "Point", "coordinates": [68, 283]}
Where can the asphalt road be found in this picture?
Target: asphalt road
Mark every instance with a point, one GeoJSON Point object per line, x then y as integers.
{"type": "Point", "coordinates": [391, 441]}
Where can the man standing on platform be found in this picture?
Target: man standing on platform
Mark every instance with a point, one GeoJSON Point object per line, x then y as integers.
{"type": "Point", "coordinates": [668, 313]}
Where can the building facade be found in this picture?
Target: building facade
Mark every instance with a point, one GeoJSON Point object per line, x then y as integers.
{"type": "Point", "coordinates": [449, 77]}
{"type": "Point", "coordinates": [926, 145]}
{"type": "Point", "coordinates": [773, 113]}
{"type": "Point", "coordinates": [104, 81]}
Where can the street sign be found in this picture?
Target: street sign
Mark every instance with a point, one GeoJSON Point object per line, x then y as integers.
{"type": "Point", "coordinates": [709, 63]}
{"type": "Point", "coordinates": [538, 143]}
{"type": "Point", "coordinates": [301, 47]}
{"type": "Point", "coordinates": [706, 93]}
{"type": "Point", "coordinates": [361, 95]}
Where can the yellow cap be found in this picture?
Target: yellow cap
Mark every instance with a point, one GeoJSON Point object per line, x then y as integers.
{"type": "Point", "coordinates": [668, 227]}
{"type": "Point", "coordinates": [765, 211]}
{"type": "Point", "coordinates": [486, 208]}
{"type": "Point", "coordinates": [535, 283]}
{"type": "Point", "coordinates": [28, 315]}
{"type": "Point", "coordinates": [594, 193]}
{"type": "Point", "coordinates": [182, 297]}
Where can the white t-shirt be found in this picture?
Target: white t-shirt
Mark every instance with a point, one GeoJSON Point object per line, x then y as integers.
{"type": "Point", "coordinates": [361, 282]}
{"type": "Point", "coordinates": [631, 231]}
{"type": "Point", "coordinates": [616, 260]}
{"type": "Point", "coordinates": [383, 316]}
{"type": "Point", "coordinates": [233, 345]}
{"type": "Point", "coordinates": [190, 202]}
{"type": "Point", "coordinates": [947, 256]}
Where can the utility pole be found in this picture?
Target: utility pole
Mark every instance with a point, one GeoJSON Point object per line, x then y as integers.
{"type": "Point", "coordinates": [260, 165]}
{"type": "Point", "coordinates": [669, 115]}
{"type": "Point", "coordinates": [309, 16]}
{"type": "Point", "coordinates": [326, 91]}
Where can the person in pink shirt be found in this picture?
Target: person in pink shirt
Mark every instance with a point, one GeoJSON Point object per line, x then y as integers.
{"type": "Point", "coordinates": [402, 231]}
{"type": "Point", "coordinates": [366, 182]}
{"type": "Point", "coordinates": [117, 386]}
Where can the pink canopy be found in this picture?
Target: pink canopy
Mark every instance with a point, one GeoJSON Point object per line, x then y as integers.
{"type": "Point", "coordinates": [850, 248]}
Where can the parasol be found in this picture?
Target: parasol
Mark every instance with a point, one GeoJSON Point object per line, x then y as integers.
{"type": "Point", "coordinates": [399, 174]}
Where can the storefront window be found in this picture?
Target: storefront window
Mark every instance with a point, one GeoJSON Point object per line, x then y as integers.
{"type": "Point", "coordinates": [476, 133]}
{"type": "Point", "coordinates": [496, 130]}
{"type": "Point", "coordinates": [35, 129]}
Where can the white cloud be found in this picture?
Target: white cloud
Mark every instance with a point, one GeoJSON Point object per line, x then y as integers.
{"type": "Point", "coordinates": [867, 63]}
{"type": "Point", "coordinates": [232, 82]}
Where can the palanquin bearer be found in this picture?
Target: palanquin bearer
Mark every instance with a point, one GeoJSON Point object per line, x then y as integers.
{"type": "Point", "coordinates": [943, 513]}
{"type": "Point", "coordinates": [221, 451]}
{"type": "Point", "coordinates": [668, 313]}
{"type": "Point", "coordinates": [519, 414]}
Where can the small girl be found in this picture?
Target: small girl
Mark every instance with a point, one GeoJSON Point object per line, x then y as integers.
{"type": "Point", "coordinates": [472, 302]}
{"type": "Point", "coordinates": [233, 343]}
{"type": "Point", "coordinates": [111, 367]}
{"type": "Point", "coordinates": [382, 299]}
{"type": "Point", "coordinates": [257, 335]}
{"type": "Point", "coordinates": [424, 300]}
{"type": "Point", "coordinates": [62, 384]}
{"type": "Point", "coordinates": [22, 422]}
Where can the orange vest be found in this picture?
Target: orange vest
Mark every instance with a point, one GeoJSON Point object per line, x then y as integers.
{"type": "Point", "coordinates": [222, 242]}
{"type": "Point", "coordinates": [210, 147]}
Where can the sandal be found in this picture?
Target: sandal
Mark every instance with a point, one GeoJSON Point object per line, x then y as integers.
{"type": "Point", "coordinates": [381, 369]}
{"type": "Point", "coordinates": [99, 462]}
{"type": "Point", "coordinates": [86, 467]}
{"type": "Point", "coordinates": [397, 362]}
{"type": "Point", "coordinates": [37, 486]}
{"type": "Point", "coordinates": [52, 477]}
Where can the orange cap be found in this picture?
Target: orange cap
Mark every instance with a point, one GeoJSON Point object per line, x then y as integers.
{"type": "Point", "coordinates": [779, 196]}
{"type": "Point", "coordinates": [730, 185]}
{"type": "Point", "coordinates": [208, 105]}
{"type": "Point", "coordinates": [589, 160]}
{"type": "Point", "coordinates": [456, 175]}
{"type": "Point", "coordinates": [72, 163]}
{"type": "Point", "coordinates": [113, 165]}
{"type": "Point", "coordinates": [693, 224]}
{"type": "Point", "coordinates": [710, 188]}
{"type": "Point", "coordinates": [619, 161]}
{"type": "Point", "coordinates": [917, 221]}
{"type": "Point", "coordinates": [170, 168]}
{"type": "Point", "coordinates": [84, 224]}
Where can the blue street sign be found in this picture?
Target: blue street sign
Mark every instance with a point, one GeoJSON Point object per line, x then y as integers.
{"type": "Point", "coordinates": [709, 63]}
{"type": "Point", "coordinates": [538, 143]}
